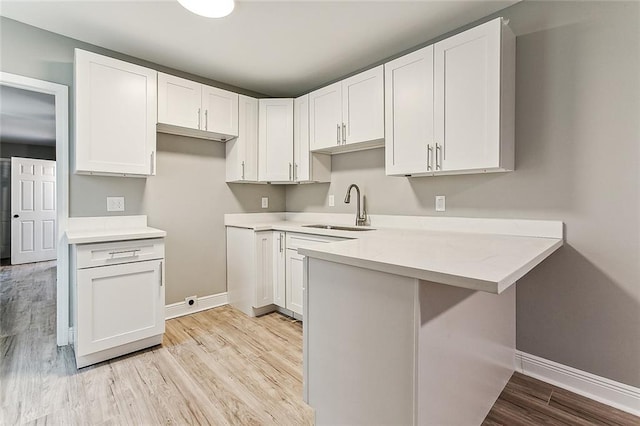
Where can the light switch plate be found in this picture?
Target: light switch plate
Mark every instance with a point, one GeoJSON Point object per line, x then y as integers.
{"type": "Point", "coordinates": [265, 202]}
{"type": "Point", "coordinates": [115, 204]}
{"type": "Point", "coordinates": [440, 203]}
{"type": "Point", "coordinates": [332, 201]}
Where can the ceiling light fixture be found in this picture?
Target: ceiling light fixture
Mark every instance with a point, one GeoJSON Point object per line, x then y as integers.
{"type": "Point", "coordinates": [209, 8]}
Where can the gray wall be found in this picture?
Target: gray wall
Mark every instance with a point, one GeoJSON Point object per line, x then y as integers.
{"type": "Point", "coordinates": [40, 152]}
{"type": "Point", "coordinates": [578, 156]}
{"type": "Point", "coordinates": [187, 198]}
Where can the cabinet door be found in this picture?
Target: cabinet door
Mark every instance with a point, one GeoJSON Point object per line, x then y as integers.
{"type": "Point", "coordinates": [363, 106]}
{"type": "Point", "coordinates": [119, 304]}
{"type": "Point", "coordinates": [301, 171]}
{"type": "Point", "coordinates": [219, 111]}
{"type": "Point", "coordinates": [116, 107]}
{"type": "Point", "coordinates": [294, 269]}
{"type": "Point", "coordinates": [325, 117]}
{"type": "Point", "coordinates": [275, 140]}
{"type": "Point", "coordinates": [279, 268]}
{"type": "Point", "coordinates": [242, 152]}
{"type": "Point", "coordinates": [467, 99]}
{"type": "Point", "coordinates": [264, 269]}
{"type": "Point", "coordinates": [409, 113]}
{"type": "Point", "coordinates": [179, 101]}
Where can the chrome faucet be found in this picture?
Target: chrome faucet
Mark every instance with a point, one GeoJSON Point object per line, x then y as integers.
{"type": "Point", "coordinates": [361, 218]}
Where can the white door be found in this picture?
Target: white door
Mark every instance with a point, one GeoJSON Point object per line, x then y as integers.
{"type": "Point", "coordinates": [325, 117]}
{"type": "Point", "coordinates": [467, 99]}
{"type": "Point", "coordinates": [119, 304]}
{"type": "Point", "coordinates": [301, 139]}
{"type": "Point", "coordinates": [219, 111]}
{"type": "Point", "coordinates": [294, 269]}
{"type": "Point", "coordinates": [363, 106]}
{"type": "Point", "coordinates": [179, 101]}
{"type": "Point", "coordinates": [33, 210]}
{"type": "Point", "coordinates": [409, 113]}
{"type": "Point", "coordinates": [116, 116]}
{"type": "Point", "coordinates": [264, 271]}
{"type": "Point", "coordinates": [275, 140]}
{"type": "Point", "coordinates": [279, 268]}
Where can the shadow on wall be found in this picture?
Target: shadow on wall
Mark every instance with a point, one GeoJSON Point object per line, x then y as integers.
{"type": "Point", "coordinates": [567, 300]}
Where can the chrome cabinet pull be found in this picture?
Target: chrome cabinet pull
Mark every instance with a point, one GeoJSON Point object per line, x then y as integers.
{"type": "Point", "coordinates": [438, 153]}
{"type": "Point", "coordinates": [295, 171]}
{"type": "Point", "coordinates": [161, 283]}
{"type": "Point", "coordinates": [289, 171]}
{"type": "Point", "coordinates": [344, 134]}
{"type": "Point", "coordinates": [153, 166]}
{"type": "Point", "coordinates": [338, 134]}
{"type": "Point", "coordinates": [243, 170]}
{"type": "Point", "coordinates": [429, 149]}
{"type": "Point", "coordinates": [198, 118]}
{"type": "Point", "coordinates": [134, 252]}
{"type": "Point", "coordinates": [280, 241]}
{"type": "Point", "coordinates": [206, 119]}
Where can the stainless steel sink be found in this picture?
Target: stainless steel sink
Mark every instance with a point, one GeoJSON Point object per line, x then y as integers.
{"type": "Point", "coordinates": [339, 228]}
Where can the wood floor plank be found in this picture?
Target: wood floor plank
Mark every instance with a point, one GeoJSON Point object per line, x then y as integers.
{"type": "Point", "coordinates": [594, 411]}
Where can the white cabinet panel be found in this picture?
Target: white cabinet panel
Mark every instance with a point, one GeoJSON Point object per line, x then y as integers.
{"type": "Point", "coordinates": [275, 140]}
{"type": "Point", "coordinates": [325, 117]}
{"type": "Point", "coordinates": [242, 152]}
{"type": "Point", "coordinates": [179, 101]}
{"type": "Point", "coordinates": [295, 284]}
{"type": "Point", "coordinates": [116, 108]}
{"type": "Point", "coordinates": [220, 111]}
{"type": "Point", "coordinates": [363, 106]}
{"type": "Point", "coordinates": [409, 113]}
{"type": "Point", "coordinates": [307, 166]}
{"type": "Point", "coordinates": [279, 269]}
{"type": "Point", "coordinates": [264, 269]}
{"type": "Point", "coordinates": [470, 87]}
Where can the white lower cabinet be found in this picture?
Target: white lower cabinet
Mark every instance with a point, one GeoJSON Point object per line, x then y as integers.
{"type": "Point", "coordinates": [295, 285]}
{"type": "Point", "coordinates": [279, 269]}
{"type": "Point", "coordinates": [118, 298]}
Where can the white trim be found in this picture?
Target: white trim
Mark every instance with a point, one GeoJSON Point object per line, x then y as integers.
{"type": "Point", "coordinates": [61, 94]}
{"type": "Point", "coordinates": [206, 302]}
{"type": "Point", "coordinates": [606, 391]}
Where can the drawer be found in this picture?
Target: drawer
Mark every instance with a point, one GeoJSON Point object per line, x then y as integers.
{"type": "Point", "coordinates": [295, 241]}
{"type": "Point", "coordinates": [103, 254]}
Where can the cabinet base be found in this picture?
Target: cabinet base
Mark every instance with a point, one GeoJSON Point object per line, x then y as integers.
{"type": "Point", "coordinates": [85, 360]}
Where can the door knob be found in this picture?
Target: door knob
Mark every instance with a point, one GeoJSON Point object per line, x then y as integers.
{"type": "Point", "coordinates": [15, 216]}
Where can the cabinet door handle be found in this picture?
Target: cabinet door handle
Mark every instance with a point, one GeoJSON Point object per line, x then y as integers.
{"type": "Point", "coordinates": [161, 277]}
{"type": "Point", "coordinates": [153, 165]}
{"type": "Point", "coordinates": [295, 171]}
{"type": "Point", "coordinates": [338, 134]}
{"type": "Point", "coordinates": [280, 241]}
{"type": "Point", "coordinates": [243, 170]}
{"type": "Point", "coordinates": [133, 253]}
{"type": "Point", "coordinates": [429, 149]}
{"type": "Point", "coordinates": [198, 118]}
{"type": "Point", "coordinates": [438, 153]}
{"type": "Point", "coordinates": [344, 134]}
{"type": "Point", "coordinates": [289, 171]}
{"type": "Point", "coordinates": [206, 119]}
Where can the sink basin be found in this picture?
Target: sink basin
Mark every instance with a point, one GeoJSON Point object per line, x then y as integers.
{"type": "Point", "coordinates": [339, 228]}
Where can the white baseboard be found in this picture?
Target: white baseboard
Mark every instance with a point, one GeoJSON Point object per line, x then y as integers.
{"type": "Point", "coordinates": [206, 302]}
{"type": "Point", "coordinates": [606, 391]}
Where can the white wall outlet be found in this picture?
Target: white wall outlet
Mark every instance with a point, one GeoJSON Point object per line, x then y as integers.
{"type": "Point", "coordinates": [191, 301]}
{"type": "Point", "coordinates": [115, 204]}
{"type": "Point", "coordinates": [332, 201]}
{"type": "Point", "coordinates": [440, 204]}
{"type": "Point", "coordinates": [265, 202]}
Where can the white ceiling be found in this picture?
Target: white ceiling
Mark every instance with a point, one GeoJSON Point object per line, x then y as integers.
{"type": "Point", "coordinates": [278, 48]}
{"type": "Point", "coordinates": [27, 117]}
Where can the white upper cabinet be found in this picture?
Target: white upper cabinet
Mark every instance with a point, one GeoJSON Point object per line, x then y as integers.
{"type": "Point", "coordinates": [115, 107]}
{"type": "Point", "coordinates": [242, 152]}
{"type": "Point", "coordinates": [475, 100]}
{"type": "Point", "coordinates": [450, 106]}
{"type": "Point", "coordinates": [348, 115]}
{"type": "Point", "coordinates": [275, 140]}
{"type": "Point", "coordinates": [409, 129]}
{"type": "Point", "coordinates": [193, 109]}
{"type": "Point", "coordinates": [307, 166]}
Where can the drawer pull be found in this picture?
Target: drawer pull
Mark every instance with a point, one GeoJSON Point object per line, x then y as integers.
{"type": "Point", "coordinates": [133, 253]}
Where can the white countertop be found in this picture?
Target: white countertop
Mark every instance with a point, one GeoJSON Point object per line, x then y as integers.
{"type": "Point", "coordinates": [84, 230]}
{"type": "Point", "coordinates": [475, 260]}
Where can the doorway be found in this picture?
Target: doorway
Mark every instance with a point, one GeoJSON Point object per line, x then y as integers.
{"type": "Point", "coordinates": [57, 96]}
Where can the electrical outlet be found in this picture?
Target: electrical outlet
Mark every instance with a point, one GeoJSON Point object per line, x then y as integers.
{"type": "Point", "coordinates": [191, 301]}
{"type": "Point", "coordinates": [440, 203]}
{"type": "Point", "coordinates": [115, 204]}
{"type": "Point", "coordinates": [265, 202]}
{"type": "Point", "coordinates": [332, 201]}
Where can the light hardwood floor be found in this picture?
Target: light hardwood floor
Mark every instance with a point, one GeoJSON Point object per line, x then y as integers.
{"type": "Point", "coordinates": [214, 367]}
